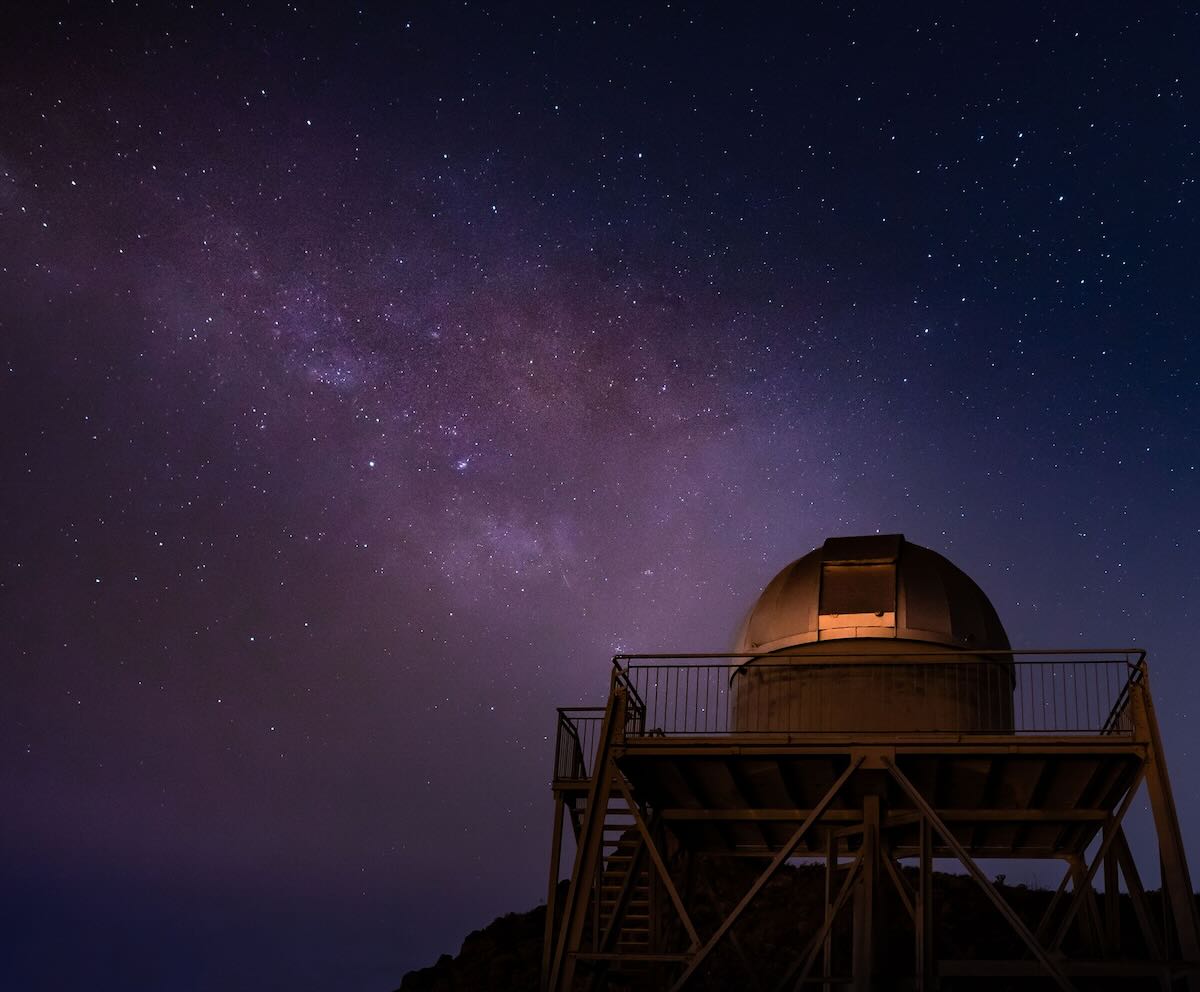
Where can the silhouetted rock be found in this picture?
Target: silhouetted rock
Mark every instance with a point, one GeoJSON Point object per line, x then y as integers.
{"type": "Point", "coordinates": [505, 955]}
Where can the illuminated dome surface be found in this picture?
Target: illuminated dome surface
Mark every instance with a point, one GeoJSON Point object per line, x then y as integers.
{"type": "Point", "coordinates": [878, 586]}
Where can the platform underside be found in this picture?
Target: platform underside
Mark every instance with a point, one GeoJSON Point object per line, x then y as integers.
{"type": "Point", "coordinates": [1003, 797]}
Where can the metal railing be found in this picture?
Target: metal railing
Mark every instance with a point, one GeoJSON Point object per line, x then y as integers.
{"type": "Point", "coordinates": [579, 729]}
{"type": "Point", "coordinates": [802, 693]}
{"type": "Point", "coordinates": [1019, 692]}
{"type": "Point", "coordinates": [577, 740]}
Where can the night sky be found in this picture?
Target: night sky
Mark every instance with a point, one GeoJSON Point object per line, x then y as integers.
{"type": "Point", "coordinates": [369, 377]}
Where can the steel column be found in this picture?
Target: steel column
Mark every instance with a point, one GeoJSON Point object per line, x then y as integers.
{"type": "Point", "coordinates": [864, 899]}
{"type": "Point", "coordinates": [1176, 878]}
{"type": "Point", "coordinates": [923, 918]}
{"type": "Point", "coordinates": [1112, 895]}
{"type": "Point", "coordinates": [552, 894]}
{"type": "Point", "coordinates": [831, 862]}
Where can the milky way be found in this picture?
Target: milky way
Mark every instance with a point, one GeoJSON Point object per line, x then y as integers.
{"type": "Point", "coordinates": [370, 378]}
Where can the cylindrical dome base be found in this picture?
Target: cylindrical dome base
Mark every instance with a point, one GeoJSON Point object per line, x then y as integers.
{"type": "Point", "coordinates": [850, 687]}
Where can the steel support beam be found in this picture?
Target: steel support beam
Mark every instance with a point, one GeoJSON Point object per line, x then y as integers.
{"type": "Point", "coordinates": [905, 891]}
{"type": "Point", "coordinates": [863, 955]}
{"type": "Point", "coordinates": [785, 852]}
{"type": "Point", "coordinates": [1112, 895]}
{"type": "Point", "coordinates": [1176, 879]}
{"type": "Point", "coordinates": [1048, 963]}
{"type": "Point", "coordinates": [821, 938]}
{"type": "Point", "coordinates": [659, 865]}
{"type": "Point", "coordinates": [1137, 895]}
{"type": "Point", "coordinates": [552, 894]}
{"type": "Point", "coordinates": [1085, 902]}
{"type": "Point", "coordinates": [831, 864]}
{"type": "Point", "coordinates": [748, 813]}
{"type": "Point", "coordinates": [711, 895]}
{"type": "Point", "coordinates": [923, 917]}
{"type": "Point", "coordinates": [1043, 927]}
{"type": "Point", "coordinates": [1083, 885]}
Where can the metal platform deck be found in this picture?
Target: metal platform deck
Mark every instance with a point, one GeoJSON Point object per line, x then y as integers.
{"type": "Point", "coordinates": [1033, 798]}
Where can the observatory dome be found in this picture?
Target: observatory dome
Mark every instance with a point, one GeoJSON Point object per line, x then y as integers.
{"type": "Point", "coordinates": [872, 635]}
{"type": "Point", "coordinates": [878, 586]}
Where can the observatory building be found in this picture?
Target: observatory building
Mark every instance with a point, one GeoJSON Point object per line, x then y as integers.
{"type": "Point", "coordinates": [872, 717]}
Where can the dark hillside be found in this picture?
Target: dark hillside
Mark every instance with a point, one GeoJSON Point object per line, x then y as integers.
{"type": "Point", "coordinates": [505, 956]}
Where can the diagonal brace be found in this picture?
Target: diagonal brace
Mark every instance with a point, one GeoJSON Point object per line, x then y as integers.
{"type": "Point", "coordinates": [1084, 885]}
{"type": "Point", "coordinates": [1137, 895]}
{"type": "Point", "coordinates": [903, 889]}
{"type": "Point", "coordinates": [1043, 927]}
{"type": "Point", "coordinates": [784, 853]}
{"type": "Point", "coordinates": [817, 943]}
{"type": "Point", "coordinates": [711, 894]}
{"type": "Point", "coordinates": [628, 884]}
{"type": "Point", "coordinates": [659, 864]}
{"type": "Point", "coordinates": [976, 873]}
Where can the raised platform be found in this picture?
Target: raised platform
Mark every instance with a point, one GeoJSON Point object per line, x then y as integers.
{"type": "Point", "coordinates": [669, 772]}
